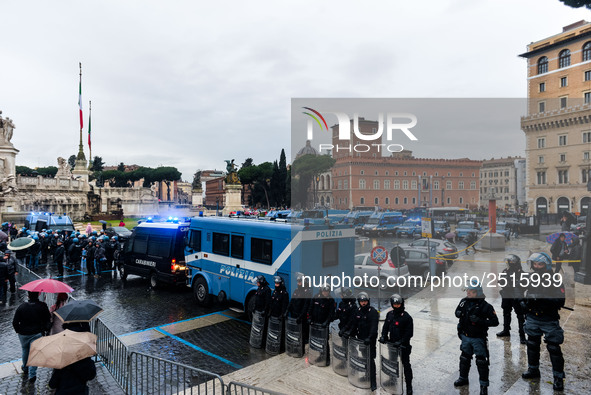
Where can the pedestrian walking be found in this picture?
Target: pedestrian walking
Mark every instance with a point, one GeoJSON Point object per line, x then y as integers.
{"type": "Point", "coordinates": [470, 242]}
{"type": "Point", "coordinates": [31, 320]}
{"type": "Point", "coordinates": [99, 257]}
{"type": "Point", "coordinates": [398, 329]}
{"type": "Point", "coordinates": [511, 294]}
{"type": "Point", "coordinates": [10, 260]}
{"type": "Point", "coordinates": [88, 229]}
{"type": "Point", "coordinates": [58, 256]}
{"type": "Point", "coordinates": [559, 251]}
{"type": "Point", "coordinates": [541, 304]}
{"type": "Point", "coordinates": [575, 254]}
{"type": "Point", "coordinates": [475, 317]}
{"type": "Point", "coordinates": [56, 323]}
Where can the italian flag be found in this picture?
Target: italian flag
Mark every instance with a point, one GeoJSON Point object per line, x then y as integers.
{"type": "Point", "coordinates": [80, 102]}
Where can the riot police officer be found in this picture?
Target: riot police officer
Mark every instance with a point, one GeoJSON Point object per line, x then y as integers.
{"type": "Point", "coordinates": [541, 304]}
{"type": "Point", "coordinates": [512, 293]}
{"type": "Point", "coordinates": [476, 316]}
{"type": "Point", "coordinates": [299, 304]}
{"type": "Point", "coordinates": [346, 309]}
{"type": "Point", "coordinates": [321, 311]}
{"type": "Point", "coordinates": [262, 296]}
{"type": "Point", "coordinates": [364, 327]}
{"type": "Point", "coordinates": [279, 299]}
{"type": "Point", "coordinates": [398, 329]}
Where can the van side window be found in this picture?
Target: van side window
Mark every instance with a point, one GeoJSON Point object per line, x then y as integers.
{"type": "Point", "coordinates": [195, 240]}
{"type": "Point", "coordinates": [159, 245]}
{"type": "Point", "coordinates": [330, 253]}
{"type": "Point", "coordinates": [261, 250]}
{"type": "Point", "coordinates": [237, 247]}
{"type": "Point", "coordinates": [221, 244]}
{"type": "Point", "coordinates": [140, 243]}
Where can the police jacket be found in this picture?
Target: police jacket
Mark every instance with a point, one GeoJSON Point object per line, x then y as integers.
{"type": "Point", "coordinates": [398, 327]}
{"type": "Point", "coordinates": [3, 272]}
{"type": "Point", "coordinates": [262, 299]}
{"type": "Point", "coordinates": [35, 248]}
{"type": "Point", "coordinates": [476, 316]}
{"type": "Point", "coordinates": [21, 254]}
{"type": "Point", "coordinates": [89, 253]}
{"type": "Point", "coordinates": [321, 310]}
{"type": "Point", "coordinates": [12, 266]}
{"type": "Point", "coordinates": [299, 303]}
{"type": "Point", "coordinates": [364, 324]}
{"type": "Point", "coordinates": [543, 302]}
{"type": "Point", "coordinates": [99, 253]}
{"type": "Point", "coordinates": [513, 288]}
{"type": "Point", "coordinates": [58, 255]}
{"type": "Point", "coordinates": [345, 312]}
{"type": "Point", "coordinates": [279, 302]}
{"type": "Point", "coordinates": [74, 252]}
{"type": "Point", "coordinates": [44, 243]}
{"type": "Point", "coordinates": [31, 317]}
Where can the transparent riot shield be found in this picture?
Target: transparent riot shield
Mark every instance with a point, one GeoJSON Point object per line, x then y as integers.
{"type": "Point", "coordinates": [317, 354]}
{"type": "Point", "coordinates": [274, 333]}
{"type": "Point", "coordinates": [391, 369]}
{"type": "Point", "coordinates": [257, 330]}
{"type": "Point", "coordinates": [358, 364]}
{"type": "Point", "coordinates": [294, 343]}
{"type": "Point", "coordinates": [339, 351]}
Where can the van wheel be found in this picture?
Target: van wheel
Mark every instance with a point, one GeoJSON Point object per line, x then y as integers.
{"type": "Point", "coordinates": [154, 280]}
{"type": "Point", "coordinates": [201, 292]}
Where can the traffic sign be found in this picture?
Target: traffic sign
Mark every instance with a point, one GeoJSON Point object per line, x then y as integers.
{"type": "Point", "coordinates": [379, 255]}
{"type": "Point", "coordinates": [426, 228]}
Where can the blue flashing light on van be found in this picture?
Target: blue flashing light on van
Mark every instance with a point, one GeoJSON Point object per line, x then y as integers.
{"type": "Point", "coordinates": [225, 255]}
{"type": "Point", "coordinates": [381, 223]}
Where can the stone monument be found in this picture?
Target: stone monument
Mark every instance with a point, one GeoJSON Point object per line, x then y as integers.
{"type": "Point", "coordinates": [7, 158]}
{"type": "Point", "coordinates": [232, 189]}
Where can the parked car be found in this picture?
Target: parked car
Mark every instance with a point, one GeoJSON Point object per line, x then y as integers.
{"type": "Point", "coordinates": [121, 232]}
{"type": "Point", "coordinates": [364, 265]}
{"type": "Point", "coordinates": [409, 228]}
{"type": "Point", "coordinates": [417, 260]}
{"type": "Point", "coordinates": [447, 250]}
{"type": "Point", "coordinates": [465, 227]}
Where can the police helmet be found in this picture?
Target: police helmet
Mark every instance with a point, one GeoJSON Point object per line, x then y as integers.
{"type": "Point", "coordinates": [325, 287]}
{"type": "Point", "coordinates": [540, 257]}
{"type": "Point", "coordinates": [83, 236]}
{"type": "Point", "coordinates": [94, 233]}
{"type": "Point", "coordinates": [8, 252]}
{"type": "Point", "coordinates": [93, 238]}
{"type": "Point", "coordinates": [346, 293]}
{"type": "Point", "coordinates": [475, 285]}
{"type": "Point", "coordinates": [395, 299]}
{"type": "Point", "coordinates": [279, 280]}
{"type": "Point", "coordinates": [115, 238]}
{"type": "Point", "coordinates": [513, 260]}
{"type": "Point", "coordinates": [75, 240]}
{"type": "Point", "coordinates": [363, 296]}
{"type": "Point", "coordinates": [35, 237]}
{"type": "Point", "coordinates": [261, 279]}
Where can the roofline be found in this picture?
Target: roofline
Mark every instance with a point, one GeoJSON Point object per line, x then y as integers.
{"type": "Point", "coordinates": [560, 43]}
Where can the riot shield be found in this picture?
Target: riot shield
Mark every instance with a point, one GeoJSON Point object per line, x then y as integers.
{"type": "Point", "coordinates": [317, 353]}
{"type": "Point", "coordinates": [339, 351]}
{"type": "Point", "coordinates": [257, 329]}
{"type": "Point", "coordinates": [391, 369]}
{"type": "Point", "coordinates": [294, 343]}
{"type": "Point", "coordinates": [274, 333]}
{"type": "Point", "coordinates": [358, 364]}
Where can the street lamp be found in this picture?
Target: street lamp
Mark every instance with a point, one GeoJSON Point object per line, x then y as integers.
{"type": "Point", "coordinates": [316, 190]}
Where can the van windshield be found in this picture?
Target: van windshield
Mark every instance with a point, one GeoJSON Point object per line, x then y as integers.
{"type": "Point", "coordinates": [373, 221]}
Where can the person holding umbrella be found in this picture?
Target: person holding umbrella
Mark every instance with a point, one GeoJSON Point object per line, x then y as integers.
{"type": "Point", "coordinates": [30, 321]}
{"type": "Point", "coordinates": [56, 323]}
{"type": "Point", "coordinates": [559, 251]}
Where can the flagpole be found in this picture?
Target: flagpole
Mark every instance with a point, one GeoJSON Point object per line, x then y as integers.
{"type": "Point", "coordinates": [89, 144]}
{"type": "Point", "coordinates": [81, 146]}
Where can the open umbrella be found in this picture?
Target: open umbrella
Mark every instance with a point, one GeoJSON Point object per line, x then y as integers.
{"type": "Point", "coordinates": [79, 311]}
{"type": "Point", "coordinates": [62, 349]}
{"type": "Point", "coordinates": [21, 243]}
{"type": "Point", "coordinates": [569, 236]}
{"type": "Point", "coordinates": [47, 285]}
{"type": "Point", "coordinates": [3, 236]}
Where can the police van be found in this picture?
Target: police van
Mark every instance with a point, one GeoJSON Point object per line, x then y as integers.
{"type": "Point", "coordinates": [155, 250]}
{"type": "Point", "coordinates": [38, 221]}
{"type": "Point", "coordinates": [225, 255]}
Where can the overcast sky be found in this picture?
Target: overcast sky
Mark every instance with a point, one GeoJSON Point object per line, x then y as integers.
{"type": "Point", "coordinates": [191, 83]}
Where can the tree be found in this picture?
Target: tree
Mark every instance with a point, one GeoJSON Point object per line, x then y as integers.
{"type": "Point", "coordinates": [97, 164]}
{"type": "Point", "coordinates": [72, 161]}
{"type": "Point", "coordinates": [259, 177]}
{"type": "Point", "coordinates": [306, 168]}
{"type": "Point", "coordinates": [196, 184]}
{"type": "Point", "coordinates": [248, 162]}
{"type": "Point", "coordinates": [166, 174]}
{"type": "Point", "coordinates": [577, 3]}
{"type": "Point", "coordinates": [121, 167]}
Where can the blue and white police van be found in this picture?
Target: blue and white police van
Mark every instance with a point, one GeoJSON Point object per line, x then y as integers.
{"type": "Point", "coordinates": [225, 255]}
{"type": "Point", "coordinates": [38, 221]}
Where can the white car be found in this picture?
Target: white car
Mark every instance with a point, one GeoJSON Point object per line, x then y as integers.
{"type": "Point", "coordinates": [364, 265]}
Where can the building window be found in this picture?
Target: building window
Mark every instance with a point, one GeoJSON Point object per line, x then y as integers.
{"type": "Point", "coordinates": [376, 184]}
{"type": "Point", "coordinates": [562, 140]}
{"type": "Point", "coordinates": [542, 142]}
{"type": "Point", "coordinates": [448, 185]}
{"type": "Point", "coordinates": [586, 137]}
{"type": "Point", "coordinates": [586, 155]}
{"type": "Point", "coordinates": [472, 184]}
{"type": "Point", "coordinates": [414, 201]}
{"type": "Point", "coordinates": [461, 174]}
{"type": "Point", "coordinates": [376, 201]}
{"type": "Point", "coordinates": [362, 184]}
{"type": "Point", "coordinates": [436, 201]}
{"type": "Point", "coordinates": [588, 75]}
{"type": "Point", "coordinates": [405, 184]}
{"type": "Point", "coordinates": [425, 173]}
{"type": "Point", "coordinates": [387, 200]}
{"type": "Point", "coordinates": [362, 172]}
{"type": "Point", "coordinates": [376, 172]}
{"type": "Point", "coordinates": [414, 174]}
{"type": "Point", "coordinates": [395, 173]}
{"type": "Point", "coordinates": [436, 174]}
{"type": "Point", "coordinates": [540, 159]}
{"type": "Point", "coordinates": [542, 65]}
{"type": "Point", "coordinates": [396, 184]}
{"type": "Point", "coordinates": [404, 173]}
{"type": "Point", "coordinates": [541, 177]}
{"type": "Point", "coordinates": [563, 176]}
{"type": "Point", "coordinates": [562, 157]}
{"type": "Point", "coordinates": [362, 201]}
{"type": "Point", "coordinates": [405, 200]}
{"type": "Point", "coordinates": [387, 173]}
{"type": "Point", "coordinates": [340, 185]}
{"type": "Point", "coordinates": [449, 174]}
{"type": "Point", "coordinates": [587, 96]}
{"type": "Point", "coordinates": [585, 175]}
{"type": "Point", "coordinates": [541, 106]}
{"type": "Point", "coordinates": [542, 87]}
{"type": "Point", "coordinates": [563, 102]}
{"type": "Point", "coordinates": [461, 185]}
{"type": "Point", "coordinates": [448, 200]}
{"type": "Point", "coordinates": [564, 58]}
{"type": "Point", "coordinates": [461, 200]}
{"type": "Point", "coordinates": [563, 82]}
{"type": "Point", "coordinates": [386, 184]}
{"type": "Point", "coordinates": [435, 184]}
{"type": "Point", "coordinates": [587, 51]}
{"type": "Point", "coordinates": [396, 200]}
{"type": "Point", "coordinates": [346, 184]}
{"type": "Point", "coordinates": [413, 184]}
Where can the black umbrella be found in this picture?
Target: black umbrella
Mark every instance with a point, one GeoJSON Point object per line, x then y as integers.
{"type": "Point", "coordinates": [570, 217]}
{"type": "Point", "coordinates": [79, 311]}
{"type": "Point", "coordinates": [21, 243]}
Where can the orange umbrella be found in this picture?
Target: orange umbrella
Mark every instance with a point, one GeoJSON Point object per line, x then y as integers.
{"type": "Point", "coordinates": [62, 349]}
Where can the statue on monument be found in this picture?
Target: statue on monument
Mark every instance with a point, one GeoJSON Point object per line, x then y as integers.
{"type": "Point", "coordinates": [232, 174]}
{"type": "Point", "coordinates": [64, 169]}
{"type": "Point", "coordinates": [6, 130]}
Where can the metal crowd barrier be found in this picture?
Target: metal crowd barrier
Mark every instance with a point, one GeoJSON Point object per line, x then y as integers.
{"type": "Point", "coordinates": [235, 388]}
{"type": "Point", "coordinates": [153, 375]}
{"type": "Point", "coordinates": [111, 352]}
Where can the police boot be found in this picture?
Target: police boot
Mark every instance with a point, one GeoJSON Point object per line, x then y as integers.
{"type": "Point", "coordinates": [558, 384]}
{"type": "Point", "coordinates": [522, 339]}
{"type": "Point", "coordinates": [483, 390]}
{"type": "Point", "coordinates": [532, 373]}
{"type": "Point", "coordinates": [482, 366]}
{"type": "Point", "coordinates": [504, 333]}
{"type": "Point", "coordinates": [533, 357]}
{"type": "Point", "coordinates": [465, 361]}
